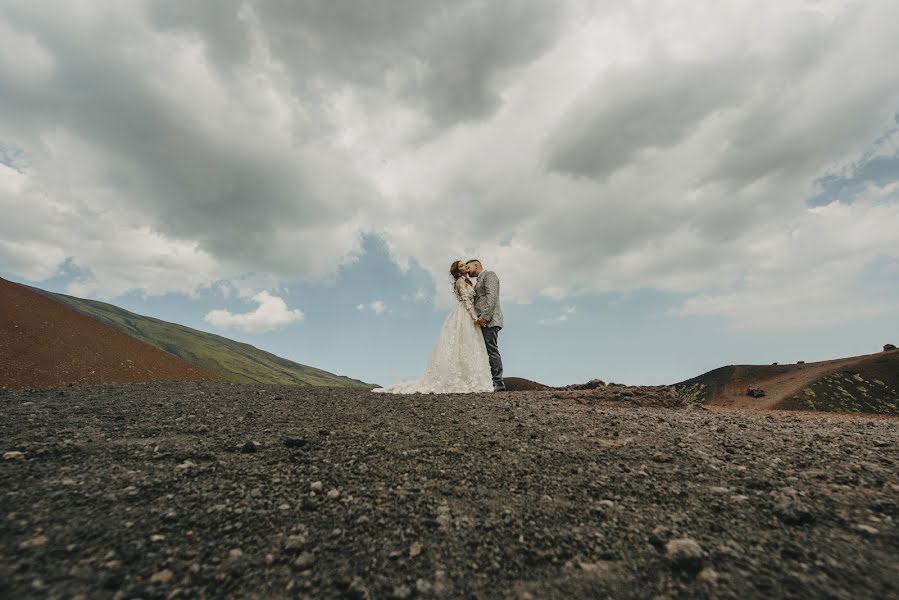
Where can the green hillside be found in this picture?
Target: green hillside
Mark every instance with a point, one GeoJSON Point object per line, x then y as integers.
{"type": "Point", "coordinates": [233, 361]}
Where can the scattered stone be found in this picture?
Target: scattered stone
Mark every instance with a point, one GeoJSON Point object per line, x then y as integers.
{"type": "Point", "coordinates": [866, 529]}
{"type": "Point", "coordinates": [708, 575]}
{"type": "Point", "coordinates": [304, 560]}
{"type": "Point", "coordinates": [38, 541]}
{"type": "Point", "coordinates": [294, 543]}
{"type": "Point", "coordinates": [235, 553]}
{"type": "Point", "coordinates": [685, 554]}
{"type": "Point", "coordinates": [187, 465]}
{"type": "Point", "coordinates": [316, 486]}
{"type": "Point", "coordinates": [792, 512]}
{"type": "Point", "coordinates": [13, 455]}
{"type": "Point", "coordinates": [294, 442]}
{"type": "Point", "coordinates": [249, 447]}
{"type": "Point", "coordinates": [333, 493]}
{"type": "Point", "coordinates": [415, 549]}
{"type": "Point", "coordinates": [755, 392]}
{"type": "Point", "coordinates": [661, 457]}
{"type": "Point", "coordinates": [163, 577]}
{"type": "Point", "coordinates": [401, 592]}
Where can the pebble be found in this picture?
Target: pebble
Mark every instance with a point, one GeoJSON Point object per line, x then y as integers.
{"type": "Point", "coordinates": [661, 457]}
{"type": "Point", "coordinates": [185, 466]}
{"type": "Point", "coordinates": [164, 576]}
{"type": "Point", "coordinates": [415, 549]}
{"type": "Point", "coordinates": [304, 559]}
{"type": "Point", "coordinates": [685, 554]}
{"type": "Point", "coordinates": [402, 591]}
{"type": "Point", "coordinates": [708, 575]}
{"type": "Point", "coordinates": [235, 553]}
{"type": "Point", "coordinates": [38, 541]}
{"type": "Point", "coordinates": [333, 493]}
{"type": "Point", "coordinates": [866, 529]}
{"type": "Point", "coordinates": [249, 447]}
{"type": "Point", "coordinates": [13, 455]}
{"type": "Point", "coordinates": [316, 486]}
{"type": "Point", "coordinates": [294, 442]}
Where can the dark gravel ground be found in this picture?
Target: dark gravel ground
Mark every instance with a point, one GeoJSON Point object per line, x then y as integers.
{"type": "Point", "coordinates": [195, 490]}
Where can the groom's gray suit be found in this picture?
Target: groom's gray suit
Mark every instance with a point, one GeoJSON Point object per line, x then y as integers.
{"type": "Point", "coordinates": [486, 304]}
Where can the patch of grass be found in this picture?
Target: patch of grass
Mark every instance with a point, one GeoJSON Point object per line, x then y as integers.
{"type": "Point", "coordinates": [809, 392]}
{"type": "Point", "coordinates": [691, 394]}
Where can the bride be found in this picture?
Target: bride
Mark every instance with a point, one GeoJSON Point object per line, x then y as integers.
{"type": "Point", "coordinates": [458, 362]}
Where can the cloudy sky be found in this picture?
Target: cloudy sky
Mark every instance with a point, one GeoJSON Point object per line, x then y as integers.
{"type": "Point", "coordinates": [663, 187]}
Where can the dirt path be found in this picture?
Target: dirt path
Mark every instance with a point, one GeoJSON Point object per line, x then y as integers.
{"type": "Point", "coordinates": [208, 490]}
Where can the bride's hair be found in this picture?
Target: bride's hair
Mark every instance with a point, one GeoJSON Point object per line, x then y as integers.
{"type": "Point", "coordinates": [454, 269]}
{"type": "Point", "coordinates": [456, 274]}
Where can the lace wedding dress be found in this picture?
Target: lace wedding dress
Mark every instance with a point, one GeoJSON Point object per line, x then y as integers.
{"type": "Point", "coordinates": [458, 363]}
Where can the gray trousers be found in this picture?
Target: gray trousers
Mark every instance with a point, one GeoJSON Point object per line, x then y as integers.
{"type": "Point", "coordinates": [496, 362]}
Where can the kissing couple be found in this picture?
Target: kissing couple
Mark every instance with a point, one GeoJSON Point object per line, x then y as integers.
{"type": "Point", "coordinates": [465, 358]}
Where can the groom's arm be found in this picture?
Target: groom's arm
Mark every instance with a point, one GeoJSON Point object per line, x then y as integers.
{"type": "Point", "coordinates": [491, 295]}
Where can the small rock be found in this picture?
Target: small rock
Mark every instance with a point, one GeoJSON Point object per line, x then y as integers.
{"type": "Point", "coordinates": [708, 575]}
{"type": "Point", "coordinates": [38, 541]}
{"type": "Point", "coordinates": [415, 549]}
{"type": "Point", "coordinates": [164, 576]}
{"type": "Point", "coordinates": [294, 442]}
{"type": "Point", "coordinates": [334, 493]}
{"type": "Point", "coordinates": [684, 554]}
{"type": "Point", "coordinates": [793, 512]}
{"type": "Point", "coordinates": [304, 560]}
{"type": "Point", "coordinates": [661, 457]}
{"type": "Point", "coordinates": [316, 486]}
{"type": "Point", "coordinates": [294, 543]}
{"type": "Point", "coordinates": [423, 585]}
{"type": "Point", "coordinates": [866, 529]}
{"type": "Point", "coordinates": [235, 553]}
{"type": "Point", "coordinates": [401, 592]}
{"type": "Point", "coordinates": [249, 447]}
{"type": "Point", "coordinates": [13, 455]}
{"type": "Point", "coordinates": [185, 466]}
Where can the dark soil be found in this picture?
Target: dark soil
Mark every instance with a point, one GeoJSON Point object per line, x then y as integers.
{"type": "Point", "coordinates": [211, 489]}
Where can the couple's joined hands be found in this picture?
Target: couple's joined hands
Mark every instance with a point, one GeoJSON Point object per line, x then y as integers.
{"type": "Point", "coordinates": [480, 322]}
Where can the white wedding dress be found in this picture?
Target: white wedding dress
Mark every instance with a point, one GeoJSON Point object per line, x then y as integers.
{"type": "Point", "coordinates": [458, 363]}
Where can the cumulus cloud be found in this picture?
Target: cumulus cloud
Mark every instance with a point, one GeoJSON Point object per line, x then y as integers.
{"type": "Point", "coordinates": [271, 314]}
{"type": "Point", "coordinates": [558, 319]}
{"type": "Point", "coordinates": [376, 306]}
{"type": "Point", "coordinates": [170, 146]}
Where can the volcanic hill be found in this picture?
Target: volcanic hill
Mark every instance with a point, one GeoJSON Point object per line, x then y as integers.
{"type": "Point", "coordinates": [229, 360]}
{"type": "Point", "coordinates": [857, 384]}
{"type": "Point", "coordinates": [46, 344]}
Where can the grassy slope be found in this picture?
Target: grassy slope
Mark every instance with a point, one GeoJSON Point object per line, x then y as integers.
{"type": "Point", "coordinates": [233, 361]}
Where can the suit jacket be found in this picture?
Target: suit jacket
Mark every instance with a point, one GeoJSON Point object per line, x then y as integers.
{"type": "Point", "coordinates": [486, 299]}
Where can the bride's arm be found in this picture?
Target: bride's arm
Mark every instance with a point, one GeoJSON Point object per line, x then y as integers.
{"type": "Point", "coordinates": [465, 299]}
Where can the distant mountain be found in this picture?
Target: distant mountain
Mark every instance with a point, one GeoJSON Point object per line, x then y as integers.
{"type": "Point", "coordinates": [47, 344]}
{"type": "Point", "coordinates": [226, 358]}
{"type": "Point", "coordinates": [858, 384]}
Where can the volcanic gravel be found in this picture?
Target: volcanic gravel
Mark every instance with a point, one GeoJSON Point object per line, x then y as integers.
{"type": "Point", "coordinates": [209, 489]}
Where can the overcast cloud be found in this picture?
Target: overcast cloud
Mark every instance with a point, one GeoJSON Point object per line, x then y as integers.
{"type": "Point", "coordinates": [576, 147]}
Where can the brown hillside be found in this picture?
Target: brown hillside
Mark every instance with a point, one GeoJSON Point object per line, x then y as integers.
{"type": "Point", "coordinates": [517, 384]}
{"type": "Point", "coordinates": [866, 383]}
{"type": "Point", "coordinates": [46, 344]}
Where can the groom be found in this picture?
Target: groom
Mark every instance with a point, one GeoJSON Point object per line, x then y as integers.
{"type": "Point", "coordinates": [490, 317]}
